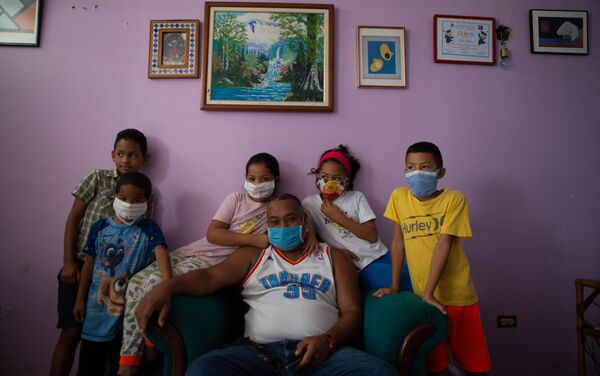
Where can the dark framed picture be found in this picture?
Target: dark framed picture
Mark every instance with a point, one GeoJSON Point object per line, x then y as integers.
{"type": "Point", "coordinates": [20, 22]}
{"type": "Point", "coordinates": [464, 40]}
{"type": "Point", "coordinates": [559, 31]}
{"type": "Point", "coordinates": [267, 57]}
{"type": "Point", "coordinates": [173, 49]}
{"type": "Point", "coordinates": [381, 59]}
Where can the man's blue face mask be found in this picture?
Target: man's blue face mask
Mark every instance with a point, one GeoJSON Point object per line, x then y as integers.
{"type": "Point", "coordinates": [422, 183]}
{"type": "Point", "coordinates": [285, 238]}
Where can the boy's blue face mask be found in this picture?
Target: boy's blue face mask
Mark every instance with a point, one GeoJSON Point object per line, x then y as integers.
{"type": "Point", "coordinates": [422, 183]}
{"type": "Point", "coordinates": [285, 238]}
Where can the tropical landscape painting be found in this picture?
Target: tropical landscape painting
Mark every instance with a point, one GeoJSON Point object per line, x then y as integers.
{"type": "Point", "coordinates": [268, 57]}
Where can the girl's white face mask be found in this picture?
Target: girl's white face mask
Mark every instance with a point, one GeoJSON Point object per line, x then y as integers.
{"type": "Point", "coordinates": [129, 213]}
{"type": "Point", "coordinates": [260, 191]}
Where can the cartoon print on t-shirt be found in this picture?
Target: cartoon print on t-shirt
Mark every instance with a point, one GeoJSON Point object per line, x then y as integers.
{"type": "Point", "coordinates": [112, 255]}
{"type": "Point", "coordinates": [112, 293]}
{"type": "Point", "coordinates": [249, 226]}
{"type": "Point", "coordinates": [342, 231]}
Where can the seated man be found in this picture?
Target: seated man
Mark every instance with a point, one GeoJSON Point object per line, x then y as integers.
{"type": "Point", "coordinates": [303, 307]}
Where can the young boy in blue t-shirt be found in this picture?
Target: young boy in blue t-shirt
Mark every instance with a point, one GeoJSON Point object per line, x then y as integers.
{"type": "Point", "coordinates": [117, 247]}
{"type": "Point", "coordinates": [93, 200]}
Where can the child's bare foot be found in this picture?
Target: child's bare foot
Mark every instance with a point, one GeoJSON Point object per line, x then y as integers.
{"type": "Point", "coordinates": [127, 370]}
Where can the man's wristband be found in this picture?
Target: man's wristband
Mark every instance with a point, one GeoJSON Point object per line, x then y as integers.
{"type": "Point", "coordinates": [330, 341]}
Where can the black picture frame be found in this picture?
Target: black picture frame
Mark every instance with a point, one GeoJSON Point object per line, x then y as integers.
{"type": "Point", "coordinates": [559, 32]}
{"type": "Point", "coordinates": [22, 24]}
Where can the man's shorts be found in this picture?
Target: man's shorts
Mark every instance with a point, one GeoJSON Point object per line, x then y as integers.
{"type": "Point", "coordinates": [67, 295]}
{"type": "Point", "coordinates": [466, 340]}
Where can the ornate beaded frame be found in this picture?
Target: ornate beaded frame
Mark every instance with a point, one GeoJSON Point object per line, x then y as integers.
{"type": "Point", "coordinates": [189, 31]}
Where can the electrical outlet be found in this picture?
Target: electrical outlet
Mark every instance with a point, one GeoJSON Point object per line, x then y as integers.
{"type": "Point", "coordinates": [507, 321]}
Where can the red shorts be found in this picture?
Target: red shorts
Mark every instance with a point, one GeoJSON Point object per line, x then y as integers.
{"type": "Point", "coordinates": [466, 340]}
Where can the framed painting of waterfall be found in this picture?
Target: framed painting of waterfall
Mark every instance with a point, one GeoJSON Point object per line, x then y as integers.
{"type": "Point", "coordinates": [381, 55]}
{"type": "Point", "coordinates": [559, 31]}
{"type": "Point", "coordinates": [267, 57]}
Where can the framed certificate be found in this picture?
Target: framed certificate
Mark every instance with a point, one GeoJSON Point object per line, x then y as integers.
{"type": "Point", "coordinates": [464, 40]}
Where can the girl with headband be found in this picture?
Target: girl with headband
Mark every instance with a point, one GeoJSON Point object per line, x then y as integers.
{"type": "Point", "coordinates": [343, 218]}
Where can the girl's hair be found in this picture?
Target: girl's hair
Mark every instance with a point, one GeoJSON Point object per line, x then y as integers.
{"type": "Point", "coordinates": [354, 164]}
{"type": "Point", "coordinates": [266, 159]}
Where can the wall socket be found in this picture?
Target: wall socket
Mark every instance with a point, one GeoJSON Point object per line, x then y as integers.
{"type": "Point", "coordinates": [507, 321]}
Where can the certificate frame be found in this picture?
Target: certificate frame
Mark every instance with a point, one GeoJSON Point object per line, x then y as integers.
{"type": "Point", "coordinates": [464, 39]}
{"type": "Point", "coordinates": [547, 37]}
{"type": "Point", "coordinates": [381, 56]}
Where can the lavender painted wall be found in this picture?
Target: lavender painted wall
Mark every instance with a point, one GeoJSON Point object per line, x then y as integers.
{"type": "Point", "coordinates": [521, 143]}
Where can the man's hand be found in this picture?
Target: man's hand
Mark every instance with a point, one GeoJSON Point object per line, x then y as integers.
{"type": "Point", "coordinates": [434, 302]}
{"type": "Point", "coordinates": [332, 211]}
{"type": "Point", "coordinates": [159, 299]}
{"type": "Point", "coordinates": [79, 310]}
{"type": "Point", "coordinates": [385, 291]}
{"type": "Point", "coordinates": [314, 351]}
{"type": "Point", "coordinates": [70, 272]}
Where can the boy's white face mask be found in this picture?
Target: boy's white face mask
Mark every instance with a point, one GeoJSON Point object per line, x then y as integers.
{"type": "Point", "coordinates": [129, 213]}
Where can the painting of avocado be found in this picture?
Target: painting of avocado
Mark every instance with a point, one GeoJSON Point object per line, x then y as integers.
{"type": "Point", "coordinates": [381, 57]}
{"type": "Point", "coordinates": [261, 58]}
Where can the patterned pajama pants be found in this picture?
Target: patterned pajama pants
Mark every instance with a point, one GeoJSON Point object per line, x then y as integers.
{"type": "Point", "coordinates": [140, 285]}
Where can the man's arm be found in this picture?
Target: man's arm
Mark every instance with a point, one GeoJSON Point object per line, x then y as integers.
{"type": "Point", "coordinates": [198, 282]}
{"type": "Point", "coordinates": [70, 271]}
{"type": "Point", "coordinates": [316, 348]}
{"type": "Point", "coordinates": [438, 264]}
{"type": "Point", "coordinates": [397, 261]}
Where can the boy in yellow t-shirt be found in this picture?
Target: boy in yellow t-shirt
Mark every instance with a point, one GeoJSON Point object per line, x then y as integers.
{"type": "Point", "coordinates": [428, 226]}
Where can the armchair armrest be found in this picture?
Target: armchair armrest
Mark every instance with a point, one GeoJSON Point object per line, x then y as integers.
{"type": "Point", "coordinates": [410, 344]}
{"type": "Point", "coordinates": [168, 339]}
{"type": "Point", "coordinates": [197, 324]}
{"type": "Point", "coordinates": [401, 329]}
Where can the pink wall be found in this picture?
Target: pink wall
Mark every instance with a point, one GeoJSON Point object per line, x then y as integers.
{"type": "Point", "coordinates": [521, 143]}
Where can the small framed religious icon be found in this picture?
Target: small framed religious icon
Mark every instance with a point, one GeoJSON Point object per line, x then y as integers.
{"type": "Point", "coordinates": [173, 49]}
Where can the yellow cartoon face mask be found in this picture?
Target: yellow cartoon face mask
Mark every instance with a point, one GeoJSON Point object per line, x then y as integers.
{"type": "Point", "coordinates": [332, 189]}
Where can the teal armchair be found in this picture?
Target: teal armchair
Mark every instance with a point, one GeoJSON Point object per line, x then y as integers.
{"type": "Point", "coordinates": [400, 328]}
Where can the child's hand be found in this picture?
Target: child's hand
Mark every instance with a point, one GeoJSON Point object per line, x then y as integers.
{"type": "Point", "coordinates": [261, 241]}
{"type": "Point", "coordinates": [332, 211]}
{"type": "Point", "coordinates": [79, 310]}
{"type": "Point", "coordinates": [385, 291]}
{"type": "Point", "coordinates": [312, 244]}
{"type": "Point", "coordinates": [69, 272]}
{"type": "Point", "coordinates": [434, 302]}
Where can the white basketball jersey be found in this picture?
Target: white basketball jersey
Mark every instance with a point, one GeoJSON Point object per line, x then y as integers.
{"type": "Point", "coordinates": [290, 299]}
